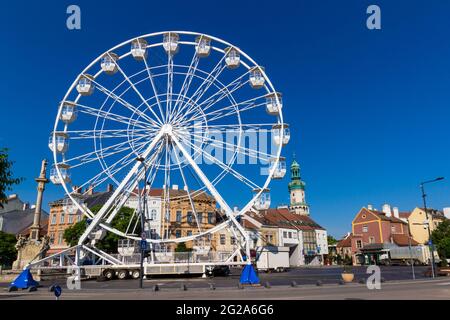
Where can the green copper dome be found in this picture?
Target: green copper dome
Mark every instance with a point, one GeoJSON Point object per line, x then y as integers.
{"type": "Point", "coordinates": [296, 182]}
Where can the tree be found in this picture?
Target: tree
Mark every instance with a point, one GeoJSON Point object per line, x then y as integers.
{"type": "Point", "coordinates": [331, 240]}
{"type": "Point", "coordinates": [8, 252]}
{"type": "Point", "coordinates": [73, 233]}
{"type": "Point", "coordinates": [109, 242]}
{"type": "Point", "coordinates": [441, 239]}
{"type": "Point", "coordinates": [6, 177]}
{"type": "Point", "coordinates": [181, 247]}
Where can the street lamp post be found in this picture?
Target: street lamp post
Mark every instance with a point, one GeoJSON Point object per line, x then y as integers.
{"type": "Point", "coordinates": [430, 242]}
{"type": "Point", "coordinates": [143, 212]}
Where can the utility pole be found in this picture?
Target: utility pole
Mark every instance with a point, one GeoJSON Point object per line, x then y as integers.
{"type": "Point", "coordinates": [143, 243]}
{"type": "Point", "coordinates": [430, 242]}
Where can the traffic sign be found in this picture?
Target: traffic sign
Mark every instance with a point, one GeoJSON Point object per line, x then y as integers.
{"type": "Point", "coordinates": [143, 245]}
{"type": "Point", "coordinates": [57, 291]}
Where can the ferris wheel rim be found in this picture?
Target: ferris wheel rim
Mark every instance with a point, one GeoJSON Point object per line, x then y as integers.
{"type": "Point", "coordinates": [268, 85]}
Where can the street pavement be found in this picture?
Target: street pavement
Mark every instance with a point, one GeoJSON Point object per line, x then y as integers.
{"type": "Point", "coordinates": [397, 284]}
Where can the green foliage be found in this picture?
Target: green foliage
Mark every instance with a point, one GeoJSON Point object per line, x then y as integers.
{"type": "Point", "coordinates": [347, 260]}
{"type": "Point", "coordinates": [73, 233]}
{"type": "Point", "coordinates": [441, 239]}
{"type": "Point", "coordinates": [181, 247]}
{"type": "Point", "coordinates": [8, 252]}
{"type": "Point", "coordinates": [6, 176]}
{"type": "Point", "coordinates": [109, 242]}
{"type": "Point", "coordinates": [331, 240]}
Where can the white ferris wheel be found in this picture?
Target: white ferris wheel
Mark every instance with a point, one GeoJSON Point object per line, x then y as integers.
{"type": "Point", "coordinates": [188, 105]}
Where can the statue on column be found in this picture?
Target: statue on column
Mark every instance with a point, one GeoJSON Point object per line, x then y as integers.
{"type": "Point", "coordinates": [30, 247]}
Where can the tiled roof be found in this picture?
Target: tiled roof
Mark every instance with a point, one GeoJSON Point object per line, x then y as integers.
{"type": "Point", "coordinates": [404, 215]}
{"type": "Point", "coordinates": [17, 220]}
{"type": "Point", "coordinates": [283, 218]}
{"type": "Point", "coordinates": [345, 243]}
{"type": "Point", "coordinates": [402, 240]}
{"type": "Point", "coordinates": [383, 216]}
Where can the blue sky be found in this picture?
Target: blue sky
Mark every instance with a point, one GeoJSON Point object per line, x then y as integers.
{"type": "Point", "coordinates": [369, 110]}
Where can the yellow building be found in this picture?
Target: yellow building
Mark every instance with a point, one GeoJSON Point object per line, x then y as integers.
{"type": "Point", "coordinates": [184, 222]}
{"type": "Point", "coordinates": [417, 221]}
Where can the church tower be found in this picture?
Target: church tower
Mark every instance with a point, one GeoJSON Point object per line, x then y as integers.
{"type": "Point", "coordinates": [297, 191]}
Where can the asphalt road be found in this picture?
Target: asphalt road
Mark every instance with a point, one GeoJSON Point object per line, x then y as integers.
{"type": "Point", "coordinates": [438, 289]}
{"type": "Point", "coordinates": [302, 276]}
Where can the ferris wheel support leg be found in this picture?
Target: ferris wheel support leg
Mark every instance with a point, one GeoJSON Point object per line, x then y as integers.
{"type": "Point", "coordinates": [100, 215]}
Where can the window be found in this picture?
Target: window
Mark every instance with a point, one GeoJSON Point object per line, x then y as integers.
{"type": "Point", "coordinates": [222, 239]}
{"type": "Point", "coordinates": [371, 240]}
{"type": "Point", "coordinates": [393, 229]}
{"type": "Point", "coordinates": [178, 217]}
{"type": "Point", "coordinates": [210, 217]}
{"type": "Point", "coordinates": [52, 238]}
{"type": "Point", "coordinates": [62, 218]}
{"type": "Point", "coordinates": [365, 229]}
{"type": "Point", "coordinates": [189, 233]}
{"type": "Point", "coordinates": [70, 218]}
{"type": "Point", "coordinates": [189, 217]}
{"type": "Point", "coordinates": [153, 214]}
{"type": "Point", "coordinates": [178, 233]}
{"type": "Point", "coordinates": [284, 234]}
{"type": "Point", "coordinates": [232, 240]}
{"type": "Point", "coordinates": [290, 235]}
{"type": "Point", "coordinates": [269, 238]}
{"type": "Point", "coordinates": [54, 218]}
{"type": "Point", "coordinates": [60, 237]}
{"type": "Point", "coordinates": [199, 218]}
{"type": "Point", "coordinates": [358, 244]}
{"type": "Point", "coordinates": [152, 233]}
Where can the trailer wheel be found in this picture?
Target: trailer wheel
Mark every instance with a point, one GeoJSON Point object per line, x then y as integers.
{"type": "Point", "coordinates": [122, 274]}
{"type": "Point", "coordinates": [135, 274]}
{"type": "Point", "coordinates": [108, 274]}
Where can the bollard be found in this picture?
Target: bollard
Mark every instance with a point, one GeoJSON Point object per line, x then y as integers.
{"type": "Point", "coordinates": [267, 285]}
{"type": "Point", "coordinates": [319, 283]}
{"type": "Point", "coordinates": [183, 287]}
{"type": "Point", "coordinates": [212, 286]}
{"type": "Point", "coordinates": [382, 280]}
{"type": "Point", "coordinates": [155, 288]}
{"type": "Point", "coordinates": [32, 289]}
{"type": "Point", "coordinates": [293, 284]}
{"type": "Point", "coordinates": [341, 282]}
{"type": "Point", "coordinates": [240, 286]}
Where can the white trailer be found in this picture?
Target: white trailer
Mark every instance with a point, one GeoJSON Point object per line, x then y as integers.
{"type": "Point", "coordinates": [403, 255]}
{"type": "Point", "coordinates": [270, 258]}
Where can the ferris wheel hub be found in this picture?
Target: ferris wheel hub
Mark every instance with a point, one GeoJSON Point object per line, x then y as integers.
{"type": "Point", "coordinates": [166, 129]}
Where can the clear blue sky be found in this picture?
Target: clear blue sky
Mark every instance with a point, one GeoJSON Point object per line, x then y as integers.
{"type": "Point", "coordinates": [369, 109]}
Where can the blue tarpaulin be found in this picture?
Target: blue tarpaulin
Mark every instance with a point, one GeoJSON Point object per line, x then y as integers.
{"type": "Point", "coordinates": [24, 280]}
{"type": "Point", "coordinates": [248, 275]}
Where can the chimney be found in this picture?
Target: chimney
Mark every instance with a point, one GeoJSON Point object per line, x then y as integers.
{"type": "Point", "coordinates": [447, 212]}
{"type": "Point", "coordinates": [90, 190]}
{"type": "Point", "coordinates": [25, 206]}
{"type": "Point", "coordinates": [387, 210]}
{"type": "Point", "coordinates": [175, 187]}
{"type": "Point", "coordinates": [370, 207]}
{"type": "Point", "coordinates": [185, 188]}
{"type": "Point", "coordinates": [396, 213]}
{"type": "Point", "coordinates": [109, 188]}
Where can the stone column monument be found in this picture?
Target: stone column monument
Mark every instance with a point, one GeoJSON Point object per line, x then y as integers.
{"type": "Point", "coordinates": [32, 247]}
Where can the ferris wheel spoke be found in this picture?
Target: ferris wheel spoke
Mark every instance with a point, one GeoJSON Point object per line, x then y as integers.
{"type": "Point", "coordinates": [93, 155]}
{"type": "Point", "coordinates": [208, 81]}
{"type": "Point", "coordinates": [93, 134]}
{"type": "Point", "coordinates": [188, 192]}
{"type": "Point", "coordinates": [246, 105]}
{"type": "Point", "coordinates": [220, 94]}
{"type": "Point", "coordinates": [256, 154]}
{"type": "Point", "coordinates": [137, 92]}
{"type": "Point", "coordinates": [126, 104]}
{"type": "Point", "coordinates": [155, 91]}
{"type": "Point", "coordinates": [110, 116]}
{"type": "Point", "coordinates": [186, 83]}
{"type": "Point", "coordinates": [226, 167]}
{"type": "Point", "coordinates": [169, 88]}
